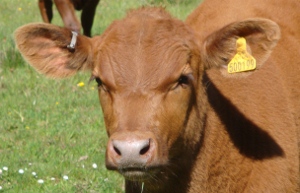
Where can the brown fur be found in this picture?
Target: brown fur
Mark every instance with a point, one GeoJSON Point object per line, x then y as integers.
{"type": "Point", "coordinates": [256, 95]}
{"type": "Point", "coordinates": [163, 81]}
{"type": "Point", "coordinates": [67, 12]}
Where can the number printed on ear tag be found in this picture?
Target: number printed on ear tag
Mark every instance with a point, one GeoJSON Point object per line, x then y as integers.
{"type": "Point", "coordinates": [242, 60]}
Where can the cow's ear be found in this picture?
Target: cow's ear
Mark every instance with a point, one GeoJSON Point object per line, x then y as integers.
{"type": "Point", "coordinates": [47, 48]}
{"type": "Point", "coordinates": [221, 46]}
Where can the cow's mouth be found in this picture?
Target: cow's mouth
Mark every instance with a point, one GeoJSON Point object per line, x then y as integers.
{"type": "Point", "coordinates": [138, 174]}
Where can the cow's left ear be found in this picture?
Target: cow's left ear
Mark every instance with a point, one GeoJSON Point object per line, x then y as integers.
{"type": "Point", "coordinates": [54, 51]}
{"type": "Point", "coordinates": [261, 37]}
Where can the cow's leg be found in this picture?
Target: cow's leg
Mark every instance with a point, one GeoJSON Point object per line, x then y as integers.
{"type": "Point", "coordinates": [46, 10]}
{"type": "Point", "coordinates": [67, 13]}
{"type": "Point", "coordinates": [87, 16]}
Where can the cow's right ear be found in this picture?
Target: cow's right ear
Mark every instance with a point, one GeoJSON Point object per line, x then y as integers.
{"type": "Point", "coordinates": [46, 48]}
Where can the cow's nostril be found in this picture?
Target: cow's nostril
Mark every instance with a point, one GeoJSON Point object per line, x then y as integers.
{"type": "Point", "coordinates": [145, 149]}
{"type": "Point", "coordinates": [117, 151]}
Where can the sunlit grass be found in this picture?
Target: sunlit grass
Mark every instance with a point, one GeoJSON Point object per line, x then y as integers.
{"type": "Point", "coordinates": [52, 135]}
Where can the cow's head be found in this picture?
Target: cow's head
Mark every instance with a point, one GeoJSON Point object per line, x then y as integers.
{"type": "Point", "coordinates": [149, 69]}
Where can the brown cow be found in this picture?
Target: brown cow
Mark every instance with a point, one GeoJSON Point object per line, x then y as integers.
{"type": "Point", "coordinates": [176, 120]}
{"type": "Point", "coordinates": [67, 12]}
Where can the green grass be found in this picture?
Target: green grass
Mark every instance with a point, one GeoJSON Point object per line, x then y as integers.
{"type": "Point", "coordinates": [54, 127]}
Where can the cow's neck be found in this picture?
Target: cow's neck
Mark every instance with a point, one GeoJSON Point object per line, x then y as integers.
{"type": "Point", "coordinates": [220, 164]}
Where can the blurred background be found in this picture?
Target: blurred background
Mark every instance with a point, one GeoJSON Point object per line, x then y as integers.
{"type": "Point", "coordinates": [52, 135]}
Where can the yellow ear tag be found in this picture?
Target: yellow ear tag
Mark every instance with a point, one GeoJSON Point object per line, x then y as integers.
{"type": "Point", "coordinates": [242, 60]}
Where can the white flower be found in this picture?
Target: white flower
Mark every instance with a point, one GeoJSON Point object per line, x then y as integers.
{"type": "Point", "coordinates": [33, 173]}
{"type": "Point", "coordinates": [0, 187]}
{"type": "Point", "coordinates": [5, 168]}
{"type": "Point", "coordinates": [0, 171]}
{"type": "Point", "coordinates": [82, 166]}
{"type": "Point", "coordinates": [40, 181]}
{"type": "Point", "coordinates": [65, 177]}
{"type": "Point", "coordinates": [95, 166]}
{"type": "Point", "coordinates": [30, 164]}
{"type": "Point", "coordinates": [21, 171]}
{"type": "Point", "coordinates": [52, 179]}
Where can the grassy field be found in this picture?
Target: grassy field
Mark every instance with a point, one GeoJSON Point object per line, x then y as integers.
{"type": "Point", "coordinates": [52, 135]}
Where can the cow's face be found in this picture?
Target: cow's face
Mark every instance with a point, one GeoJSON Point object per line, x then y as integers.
{"type": "Point", "coordinates": [149, 72]}
{"type": "Point", "coordinates": [146, 78]}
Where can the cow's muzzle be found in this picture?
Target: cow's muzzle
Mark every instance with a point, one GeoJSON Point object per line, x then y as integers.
{"type": "Point", "coordinates": [133, 154]}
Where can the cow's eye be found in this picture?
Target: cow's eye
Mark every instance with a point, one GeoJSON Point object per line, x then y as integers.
{"type": "Point", "coordinates": [99, 82]}
{"type": "Point", "coordinates": [183, 80]}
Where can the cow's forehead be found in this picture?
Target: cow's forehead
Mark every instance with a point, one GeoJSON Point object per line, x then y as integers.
{"type": "Point", "coordinates": [144, 52]}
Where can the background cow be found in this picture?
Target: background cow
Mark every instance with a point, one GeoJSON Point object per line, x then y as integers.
{"type": "Point", "coordinates": [68, 15]}
{"type": "Point", "coordinates": [176, 120]}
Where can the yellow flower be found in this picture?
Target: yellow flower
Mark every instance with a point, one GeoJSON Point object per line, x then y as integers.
{"type": "Point", "coordinates": [27, 128]}
{"type": "Point", "coordinates": [20, 9]}
{"type": "Point", "coordinates": [57, 103]}
{"type": "Point", "coordinates": [80, 84]}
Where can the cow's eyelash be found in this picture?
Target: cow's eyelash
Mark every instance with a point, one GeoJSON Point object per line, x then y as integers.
{"type": "Point", "coordinates": [92, 78]}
